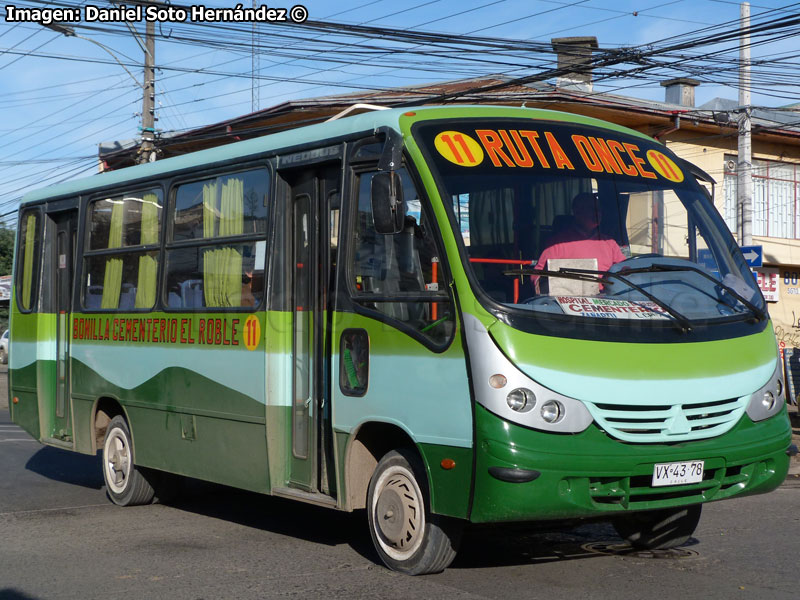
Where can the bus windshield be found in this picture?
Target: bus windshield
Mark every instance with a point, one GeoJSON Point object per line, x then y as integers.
{"type": "Point", "coordinates": [580, 222]}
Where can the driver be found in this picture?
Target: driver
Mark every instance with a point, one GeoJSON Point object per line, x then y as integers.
{"type": "Point", "coordinates": [582, 238]}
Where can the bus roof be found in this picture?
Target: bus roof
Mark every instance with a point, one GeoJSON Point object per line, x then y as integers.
{"type": "Point", "coordinates": [364, 122]}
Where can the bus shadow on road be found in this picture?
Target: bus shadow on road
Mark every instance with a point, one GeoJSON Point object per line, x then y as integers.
{"type": "Point", "coordinates": [277, 515]}
{"type": "Point", "coordinates": [13, 594]}
{"type": "Point", "coordinates": [522, 544]}
{"type": "Point", "coordinates": [482, 546]}
{"type": "Point", "coordinates": [67, 467]}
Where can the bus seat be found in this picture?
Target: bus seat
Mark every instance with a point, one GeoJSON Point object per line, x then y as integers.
{"type": "Point", "coordinates": [192, 293]}
{"type": "Point", "coordinates": [93, 297]}
{"type": "Point", "coordinates": [127, 296]}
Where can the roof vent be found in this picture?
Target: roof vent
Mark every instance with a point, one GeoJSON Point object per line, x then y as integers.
{"type": "Point", "coordinates": [680, 91]}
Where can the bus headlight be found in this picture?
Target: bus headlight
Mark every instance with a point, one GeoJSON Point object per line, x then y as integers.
{"type": "Point", "coordinates": [553, 411]}
{"type": "Point", "coordinates": [529, 403]}
{"type": "Point", "coordinates": [768, 401]}
{"type": "Point", "coordinates": [521, 400]}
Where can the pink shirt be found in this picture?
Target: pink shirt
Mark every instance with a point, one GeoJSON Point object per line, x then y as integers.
{"type": "Point", "coordinates": [573, 244]}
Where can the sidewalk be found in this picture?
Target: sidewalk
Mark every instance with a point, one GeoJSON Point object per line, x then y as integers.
{"type": "Point", "coordinates": [794, 466]}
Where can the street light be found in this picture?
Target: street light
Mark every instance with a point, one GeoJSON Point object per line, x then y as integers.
{"type": "Point", "coordinates": [147, 148]}
{"type": "Point", "coordinates": [68, 31]}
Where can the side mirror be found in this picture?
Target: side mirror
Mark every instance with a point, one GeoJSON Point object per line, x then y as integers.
{"type": "Point", "coordinates": [388, 207]}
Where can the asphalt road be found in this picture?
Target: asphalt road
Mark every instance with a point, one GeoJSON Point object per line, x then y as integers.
{"type": "Point", "coordinates": [60, 538]}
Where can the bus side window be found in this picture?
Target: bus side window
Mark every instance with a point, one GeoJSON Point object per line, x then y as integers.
{"type": "Point", "coordinates": [122, 258]}
{"type": "Point", "coordinates": [27, 261]}
{"type": "Point", "coordinates": [406, 263]}
{"type": "Point", "coordinates": [207, 269]}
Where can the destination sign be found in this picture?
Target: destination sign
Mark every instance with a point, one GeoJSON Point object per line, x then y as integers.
{"type": "Point", "coordinates": [605, 308]}
{"type": "Point", "coordinates": [550, 147]}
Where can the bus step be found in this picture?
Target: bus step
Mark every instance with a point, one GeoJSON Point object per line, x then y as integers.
{"type": "Point", "coordinates": [303, 496]}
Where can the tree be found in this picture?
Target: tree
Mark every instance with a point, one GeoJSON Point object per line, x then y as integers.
{"type": "Point", "coordinates": [6, 262]}
{"type": "Point", "coordinates": [6, 249]}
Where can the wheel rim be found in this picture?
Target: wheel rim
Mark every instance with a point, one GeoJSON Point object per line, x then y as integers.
{"type": "Point", "coordinates": [117, 461]}
{"type": "Point", "coordinates": [398, 513]}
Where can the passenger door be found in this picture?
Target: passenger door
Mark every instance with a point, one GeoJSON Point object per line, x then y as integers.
{"type": "Point", "coordinates": [311, 267]}
{"type": "Point", "coordinates": [62, 276]}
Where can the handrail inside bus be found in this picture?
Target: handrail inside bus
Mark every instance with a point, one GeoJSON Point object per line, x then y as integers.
{"type": "Point", "coordinates": [506, 261]}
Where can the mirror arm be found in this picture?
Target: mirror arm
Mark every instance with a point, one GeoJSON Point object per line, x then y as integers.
{"type": "Point", "coordinates": [392, 155]}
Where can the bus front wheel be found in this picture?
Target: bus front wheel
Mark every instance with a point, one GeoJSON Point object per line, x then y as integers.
{"type": "Point", "coordinates": [408, 537]}
{"type": "Point", "coordinates": [659, 529]}
{"type": "Point", "coordinates": [126, 485]}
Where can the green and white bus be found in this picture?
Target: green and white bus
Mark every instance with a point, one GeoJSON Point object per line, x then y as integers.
{"type": "Point", "coordinates": [351, 314]}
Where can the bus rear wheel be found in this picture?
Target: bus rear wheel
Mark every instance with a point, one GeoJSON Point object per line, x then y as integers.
{"type": "Point", "coordinates": [125, 483]}
{"type": "Point", "coordinates": [659, 529]}
{"type": "Point", "coordinates": [408, 537]}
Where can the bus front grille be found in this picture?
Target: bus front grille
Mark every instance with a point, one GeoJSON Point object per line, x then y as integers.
{"type": "Point", "coordinates": [686, 420]}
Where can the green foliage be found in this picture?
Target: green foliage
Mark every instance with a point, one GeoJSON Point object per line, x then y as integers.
{"type": "Point", "coordinates": [6, 249]}
{"type": "Point", "coordinates": [6, 262]}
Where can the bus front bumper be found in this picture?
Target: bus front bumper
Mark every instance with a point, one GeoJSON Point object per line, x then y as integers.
{"type": "Point", "coordinates": [523, 474]}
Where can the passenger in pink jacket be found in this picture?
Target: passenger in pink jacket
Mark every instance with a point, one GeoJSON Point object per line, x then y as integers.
{"type": "Point", "coordinates": [582, 238]}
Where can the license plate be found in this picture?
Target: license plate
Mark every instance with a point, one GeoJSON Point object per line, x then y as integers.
{"type": "Point", "coordinates": [677, 473]}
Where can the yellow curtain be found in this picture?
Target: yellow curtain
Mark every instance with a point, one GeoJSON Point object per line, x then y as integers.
{"type": "Point", "coordinates": [231, 218]}
{"type": "Point", "coordinates": [222, 267]}
{"type": "Point", "coordinates": [209, 209]}
{"type": "Point", "coordinates": [112, 280]}
{"type": "Point", "coordinates": [148, 265]}
{"type": "Point", "coordinates": [27, 269]}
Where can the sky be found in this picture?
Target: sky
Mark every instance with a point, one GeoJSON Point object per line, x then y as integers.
{"type": "Point", "coordinates": [62, 96]}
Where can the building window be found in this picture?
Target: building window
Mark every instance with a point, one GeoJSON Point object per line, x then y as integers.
{"type": "Point", "coordinates": [776, 198]}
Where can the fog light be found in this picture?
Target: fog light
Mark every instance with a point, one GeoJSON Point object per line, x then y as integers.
{"type": "Point", "coordinates": [521, 399]}
{"type": "Point", "coordinates": [768, 401]}
{"type": "Point", "coordinates": [552, 411]}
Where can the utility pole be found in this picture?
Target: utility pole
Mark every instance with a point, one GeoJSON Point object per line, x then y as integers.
{"type": "Point", "coordinates": [744, 168]}
{"type": "Point", "coordinates": [255, 67]}
{"type": "Point", "coordinates": [147, 149]}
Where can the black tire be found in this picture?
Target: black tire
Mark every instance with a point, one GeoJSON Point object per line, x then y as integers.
{"type": "Point", "coordinates": [659, 529]}
{"type": "Point", "coordinates": [125, 483]}
{"type": "Point", "coordinates": [407, 536]}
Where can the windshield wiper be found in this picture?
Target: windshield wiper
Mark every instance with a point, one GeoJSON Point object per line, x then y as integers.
{"type": "Point", "coordinates": [564, 273]}
{"type": "Point", "coordinates": [603, 277]}
{"type": "Point", "coordinates": [761, 314]}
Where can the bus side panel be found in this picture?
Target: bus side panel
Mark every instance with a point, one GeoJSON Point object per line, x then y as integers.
{"type": "Point", "coordinates": [32, 370]}
{"type": "Point", "coordinates": [280, 366]}
{"type": "Point", "coordinates": [424, 393]}
{"type": "Point", "coordinates": [82, 425]}
{"type": "Point", "coordinates": [191, 388]}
